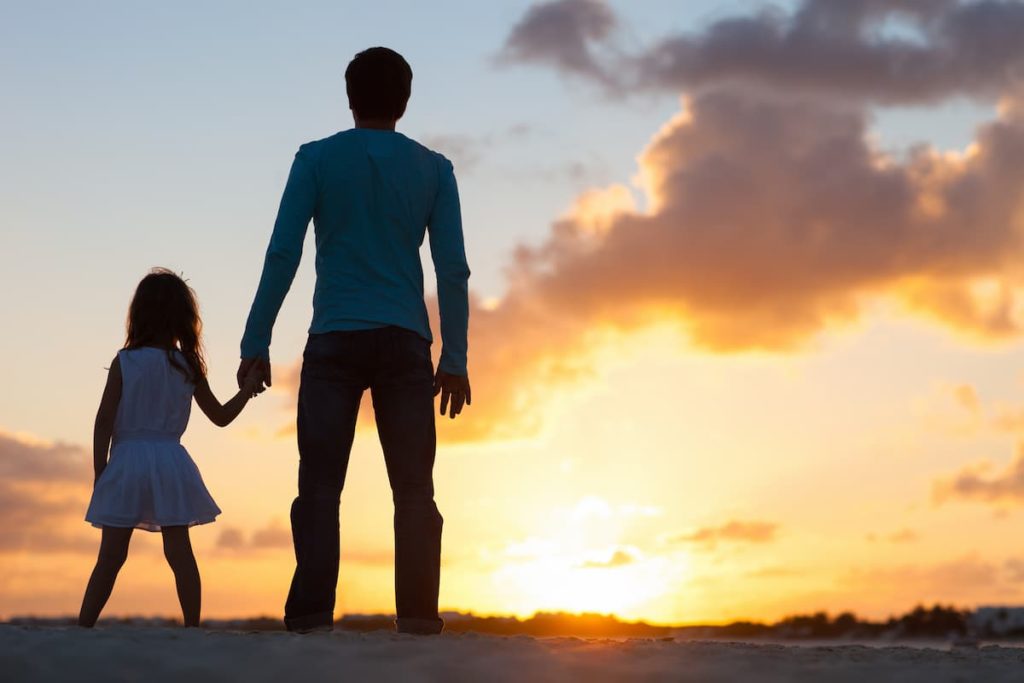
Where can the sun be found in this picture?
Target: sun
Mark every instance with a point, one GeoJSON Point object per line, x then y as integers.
{"type": "Point", "coordinates": [622, 583]}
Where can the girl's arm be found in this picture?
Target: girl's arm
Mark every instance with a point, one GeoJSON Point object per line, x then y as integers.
{"type": "Point", "coordinates": [223, 415]}
{"type": "Point", "coordinates": [103, 429]}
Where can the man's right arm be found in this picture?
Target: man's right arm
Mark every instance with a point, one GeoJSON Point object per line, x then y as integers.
{"type": "Point", "coordinates": [282, 259]}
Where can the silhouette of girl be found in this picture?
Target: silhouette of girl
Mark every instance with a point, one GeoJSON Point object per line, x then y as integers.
{"type": "Point", "coordinates": [150, 482]}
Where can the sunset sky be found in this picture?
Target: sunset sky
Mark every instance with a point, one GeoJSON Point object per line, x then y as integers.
{"type": "Point", "coordinates": [748, 295]}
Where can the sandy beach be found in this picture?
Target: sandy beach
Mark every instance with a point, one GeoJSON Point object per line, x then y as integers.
{"type": "Point", "coordinates": [164, 654]}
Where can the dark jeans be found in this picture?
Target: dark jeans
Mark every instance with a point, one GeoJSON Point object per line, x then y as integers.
{"type": "Point", "coordinates": [337, 367]}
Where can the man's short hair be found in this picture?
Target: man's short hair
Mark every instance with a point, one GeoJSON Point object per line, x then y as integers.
{"type": "Point", "coordinates": [378, 82]}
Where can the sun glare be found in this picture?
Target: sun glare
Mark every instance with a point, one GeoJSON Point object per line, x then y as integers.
{"type": "Point", "coordinates": [582, 565]}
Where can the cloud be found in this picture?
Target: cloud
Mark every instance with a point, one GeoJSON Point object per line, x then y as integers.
{"type": "Point", "coordinates": [276, 537]}
{"type": "Point", "coordinates": [231, 538]}
{"type": "Point", "coordinates": [733, 531]}
{"type": "Point", "coordinates": [44, 492]}
{"type": "Point", "coordinates": [619, 558]}
{"type": "Point", "coordinates": [568, 34]}
{"type": "Point", "coordinates": [978, 483]}
{"type": "Point", "coordinates": [25, 458]}
{"type": "Point", "coordinates": [768, 221]}
{"type": "Point", "coordinates": [272, 536]}
{"type": "Point", "coordinates": [841, 50]}
{"type": "Point", "coordinates": [464, 151]}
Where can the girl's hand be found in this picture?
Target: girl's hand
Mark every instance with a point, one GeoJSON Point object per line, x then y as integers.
{"type": "Point", "coordinates": [252, 385]}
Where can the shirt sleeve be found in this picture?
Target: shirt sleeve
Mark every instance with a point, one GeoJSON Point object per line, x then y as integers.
{"type": "Point", "coordinates": [448, 251]}
{"type": "Point", "coordinates": [283, 255]}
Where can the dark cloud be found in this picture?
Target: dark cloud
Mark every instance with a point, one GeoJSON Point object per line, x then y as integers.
{"type": "Point", "coordinates": [884, 51]}
{"type": "Point", "coordinates": [569, 34]}
{"type": "Point", "coordinates": [979, 483]}
{"type": "Point", "coordinates": [733, 531]}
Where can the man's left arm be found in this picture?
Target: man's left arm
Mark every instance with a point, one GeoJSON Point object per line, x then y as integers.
{"type": "Point", "coordinates": [282, 261]}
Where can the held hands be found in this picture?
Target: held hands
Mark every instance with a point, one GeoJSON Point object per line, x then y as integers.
{"type": "Point", "coordinates": [253, 374]}
{"type": "Point", "coordinates": [453, 388]}
{"type": "Point", "coordinates": [252, 385]}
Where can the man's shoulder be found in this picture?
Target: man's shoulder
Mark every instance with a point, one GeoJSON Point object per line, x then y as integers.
{"type": "Point", "coordinates": [440, 159]}
{"type": "Point", "coordinates": [316, 147]}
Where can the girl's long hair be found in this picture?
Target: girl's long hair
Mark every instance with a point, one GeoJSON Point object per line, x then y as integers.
{"type": "Point", "coordinates": [164, 314]}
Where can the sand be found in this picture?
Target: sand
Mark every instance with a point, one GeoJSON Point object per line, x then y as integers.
{"type": "Point", "coordinates": [174, 654]}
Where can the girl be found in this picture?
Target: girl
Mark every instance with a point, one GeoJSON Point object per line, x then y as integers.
{"type": "Point", "coordinates": [150, 482]}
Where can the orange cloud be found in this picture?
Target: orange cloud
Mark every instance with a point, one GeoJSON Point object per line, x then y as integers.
{"type": "Point", "coordinates": [44, 491]}
{"type": "Point", "coordinates": [734, 531]}
{"type": "Point", "coordinates": [272, 536]}
{"type": "Point", "coordinates": [769, 219]}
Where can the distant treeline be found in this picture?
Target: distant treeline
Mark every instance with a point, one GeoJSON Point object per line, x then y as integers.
{"type": "Point", "coordinates": [935, 622]}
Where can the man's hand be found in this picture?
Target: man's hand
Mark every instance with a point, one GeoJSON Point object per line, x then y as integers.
{"type": "Point", "coordinates": [453, 388]}
{"type": "Point", "coordinates": [258, 367]}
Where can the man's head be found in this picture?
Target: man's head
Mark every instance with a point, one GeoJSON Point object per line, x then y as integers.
{"type": "Point", "coordinates": [378, 82]}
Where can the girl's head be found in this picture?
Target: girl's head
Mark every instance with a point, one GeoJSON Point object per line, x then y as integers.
{"type": "Point", "coordinates": [164, 313]}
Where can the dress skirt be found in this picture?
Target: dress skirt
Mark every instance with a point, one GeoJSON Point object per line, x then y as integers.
{"type": "Point", "coordinates": [149, 485]}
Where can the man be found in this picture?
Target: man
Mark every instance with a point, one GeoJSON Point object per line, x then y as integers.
{"type": "Point", "coordinates": [372, 194]}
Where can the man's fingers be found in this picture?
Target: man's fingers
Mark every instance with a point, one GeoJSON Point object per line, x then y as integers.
{"type": "Point", "coordinates": [469, 395]}
{"type": "Point", "coordinates": [457, 402]}
{"type": "Point", "coordinates": [437, 385]}
{"type": "Point", "coordinates": [266, 371]}
{"type": "Point", "coordinates": [445, 395]}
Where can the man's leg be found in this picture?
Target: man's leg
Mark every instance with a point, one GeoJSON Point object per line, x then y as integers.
{"type": "Point", "coordinates": [330, 389]}
{"type": "Point", "coordinates": [403, 402]}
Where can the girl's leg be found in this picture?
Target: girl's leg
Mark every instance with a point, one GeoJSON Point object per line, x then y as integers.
{"type": "Point", "coordinates": [113, 552]}
{"type": "Point", "coordinates": [178, 551]}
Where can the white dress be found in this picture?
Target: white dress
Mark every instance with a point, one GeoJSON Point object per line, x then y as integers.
{"type": "Point", "coordinates": [150, 480]}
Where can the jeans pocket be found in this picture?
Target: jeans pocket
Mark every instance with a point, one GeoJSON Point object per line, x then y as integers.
{"type": "Point", "coordinates": [412, 353]}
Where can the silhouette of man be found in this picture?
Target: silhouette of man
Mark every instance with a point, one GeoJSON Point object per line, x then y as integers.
{"type": "Point", "coordinates": [372, 193]}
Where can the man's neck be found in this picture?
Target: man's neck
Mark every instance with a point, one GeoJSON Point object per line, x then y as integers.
{"type": "Point", "coordinates": [376, 124]}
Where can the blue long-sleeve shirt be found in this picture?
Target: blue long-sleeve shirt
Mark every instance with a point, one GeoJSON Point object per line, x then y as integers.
{"type": "Point", "coordinates": [372, 194]}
